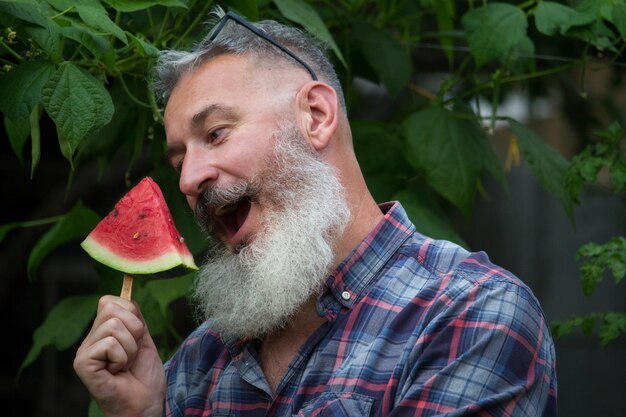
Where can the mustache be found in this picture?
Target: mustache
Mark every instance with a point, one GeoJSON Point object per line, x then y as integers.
{"type": "Point", "coordinates": [216, 198]}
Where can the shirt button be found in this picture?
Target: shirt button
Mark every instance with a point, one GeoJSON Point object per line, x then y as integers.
{"type": "Point", "coordinates": [346, 295]}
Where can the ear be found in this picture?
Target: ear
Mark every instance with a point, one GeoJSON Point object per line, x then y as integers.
{"type": "Point", "coordinates": [318, 113]}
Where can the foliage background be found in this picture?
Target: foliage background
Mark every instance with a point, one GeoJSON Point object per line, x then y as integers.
{"type": "Point", "coordinates": [497, 124]}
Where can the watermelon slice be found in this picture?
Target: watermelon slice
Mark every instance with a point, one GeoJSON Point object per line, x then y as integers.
{"type": "Point", "coordinates": [138, 237]}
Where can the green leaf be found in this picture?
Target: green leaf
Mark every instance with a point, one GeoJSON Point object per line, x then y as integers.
{"type": "Point", "coordinates": [157, 320]}
{"type": "Point", "coordinates": [449, 149]}
{"type": "Point", "coordinates": [21, 89]}
{"type": "Point", "coordinates": [113, 137]}
{"type": "Point", "coordinates": [587, 323]}
{"type": "Point", "coordinates": [28, 10]}
{"type": "Point", "coordinates": [444, 12]}
{"type": "Point", "coordinates": [77, 223]}
{"type": "Point", "coordinates": [63, 327]}
{"type": "Point", "coordinates": [247, 8]}
{"type": "Point", "coordinates": [304, 14]}
{"type": "Point", "coordinates": [618, 176]}
{"type": "Point", "coordinates": [95, 15]}
{"type": "Point", "coordinates": [144, 48]}
{"type": "Point", "coordinates": [94, 409]}
{"type": "Point", "coordinates": [493, 30]}
{"type": "Point", "coordinates": [618, 17]}
{"type": "Point", "coordinates": [134, 5]}
{"type": "Point", "coordinates": [597, 9]}
{"type": "Point", "coordinates": [167, 290]}
{"type": "Point", "coordinates": [381, 156]}
{"type": "Point", "coordinates": [613, 325]}
{"type": "Point", "coordinates": [18, 134]}
{"type": "Point", "coordinates": [35, 139]}
{"type": "Point", "coordinates": [548, 165]}
{"type": "Point", "coordinates": [77, 102]}
{"type": "Point", "coordinates": [605, 153]}
{"type": "Point", "coordinates": [590, 276]}
{"type": "Point", "coordinates": [583, 168]}
{"type": "Point", "coordinates": [428, 217]}
{"type": "Point", "coordinates": [552, 18]}
{"type": "Point", "coordinates": [597, 258]}
{"type": "Point", "coordinates": [388, 59]}
{"type": "Point", "coordinates": [49, 39]}
{"type": "Point", "coordinates": [85, 36]}
{"type": "Point", "coordinates": [561, 328]}
{"type": "Point", "coordinates": [7, 227]}
{"type": "Point", "coordinates": [597, 34]}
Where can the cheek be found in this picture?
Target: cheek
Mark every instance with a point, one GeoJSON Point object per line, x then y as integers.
{"type": "Point", "coordinates": [246, 164]}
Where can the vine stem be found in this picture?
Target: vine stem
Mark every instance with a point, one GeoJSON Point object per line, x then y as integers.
{"type": "Point", "coordinates": [41, 222]}
{"type": "Point", "coordinates": [511, 79]}
{"type": "Point", "coordinates": [11, 51]}
{"type": "Point", "coordinates": [62, 13]}
{"type": "Point", "coordinates": [526, 4]}
{"type": "Point", "coordinates": [194, 23]}
{"type": "Point", "coordinates": [131, 95]}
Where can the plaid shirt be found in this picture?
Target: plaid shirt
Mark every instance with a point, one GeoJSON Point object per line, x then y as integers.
{"type": "Point", "coordinates": [416, 327]}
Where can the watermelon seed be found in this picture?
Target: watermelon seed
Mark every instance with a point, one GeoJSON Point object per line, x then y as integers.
{"type": "Point", "coordinates": [136, 235]}
{"type": "Point", "coordinates": [115, 213]}
{"type": "Point", "coordinates": [142, 215]}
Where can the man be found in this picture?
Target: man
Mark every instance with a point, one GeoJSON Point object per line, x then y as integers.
{"type": "Point", "coordinates": [316, 300]}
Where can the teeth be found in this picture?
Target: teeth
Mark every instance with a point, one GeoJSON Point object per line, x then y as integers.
{"type": "Point", "coordinates": [220, 211]}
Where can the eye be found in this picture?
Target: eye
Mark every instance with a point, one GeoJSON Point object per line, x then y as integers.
{"type": "Point", "coordinates": [175, 158]}
{"type": "Point", "coordinates": [216, 135]}
{"type": "Point", "coordinates": [178, 165]}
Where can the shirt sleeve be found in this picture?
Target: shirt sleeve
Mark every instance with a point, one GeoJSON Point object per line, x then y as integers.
{"type": "Point", "coordinates": [488, 352]}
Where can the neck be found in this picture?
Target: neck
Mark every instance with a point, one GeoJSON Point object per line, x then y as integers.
{"type": "Point", "coordinates": [278, 349]}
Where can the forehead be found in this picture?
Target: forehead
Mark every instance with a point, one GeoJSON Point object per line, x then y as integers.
{"type": "Point", "coordinates": [238, 81]}
{"type": "Point", "coordinates": [226, 78]}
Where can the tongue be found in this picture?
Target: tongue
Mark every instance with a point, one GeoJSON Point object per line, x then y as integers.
{"type": "Point", "coordinates": [235, 219]}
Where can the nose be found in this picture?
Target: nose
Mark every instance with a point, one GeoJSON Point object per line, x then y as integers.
{"type": "Point", "coordinates": [197, 173]}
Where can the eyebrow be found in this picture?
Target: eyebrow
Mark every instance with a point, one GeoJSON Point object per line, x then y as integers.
{"type": "Point", "coordinates": [227, 112]}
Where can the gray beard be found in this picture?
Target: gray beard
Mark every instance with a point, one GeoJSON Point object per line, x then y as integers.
{"type": "Point", "coordinates": [256, 291]}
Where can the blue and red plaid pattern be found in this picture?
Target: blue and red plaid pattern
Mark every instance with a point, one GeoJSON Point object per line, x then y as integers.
{"type": "Point", "coordinates": [428, 329]}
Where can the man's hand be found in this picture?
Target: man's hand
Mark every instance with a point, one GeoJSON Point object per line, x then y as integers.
{"type": "Point", "coordinates": [119, 363]}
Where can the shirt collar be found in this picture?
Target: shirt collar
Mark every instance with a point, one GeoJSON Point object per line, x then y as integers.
{"type": "Point", "coordinates": [348, 282]}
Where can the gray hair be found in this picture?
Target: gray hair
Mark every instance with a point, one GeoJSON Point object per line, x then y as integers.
{"type": "Point", "coordinates": [238, 40]}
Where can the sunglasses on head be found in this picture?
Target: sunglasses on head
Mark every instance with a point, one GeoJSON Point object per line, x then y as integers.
{"type": "Point", "coordinates": [238, 19]}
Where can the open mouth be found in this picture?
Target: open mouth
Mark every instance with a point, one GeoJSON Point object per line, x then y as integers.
{"type": "Point", "coordinates": [233, 216]}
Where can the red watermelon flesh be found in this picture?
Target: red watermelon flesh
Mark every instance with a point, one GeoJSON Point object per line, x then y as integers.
{"type": "Point", "coordinates": [139, 236]}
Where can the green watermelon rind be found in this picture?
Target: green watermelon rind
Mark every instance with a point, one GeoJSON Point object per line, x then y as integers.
{"type": "Point", "coordinates": [168, 260]}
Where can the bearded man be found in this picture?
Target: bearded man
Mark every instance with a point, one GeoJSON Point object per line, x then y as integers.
{"type": "Point", "coordinates": [316, 301]}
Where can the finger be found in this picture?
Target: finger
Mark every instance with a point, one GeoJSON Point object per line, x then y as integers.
{"type": "Point", "coordinates": [117, 329]}
{"type": "Point", "coordinates": [116, 355]}
{"type": "Point", "coordinates": [110, 354]}
{"type": "Point", "coordinates": [106, 303]}
{"type": "Point", "coordinates": [127, 313]}
{"type": "Point", "coordinates": [106, 353]}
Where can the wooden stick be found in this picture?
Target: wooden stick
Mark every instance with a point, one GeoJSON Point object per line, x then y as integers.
{"type": "Point", "coordinates": [127, 287]}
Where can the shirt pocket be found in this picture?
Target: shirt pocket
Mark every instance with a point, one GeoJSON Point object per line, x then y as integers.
{"type": "Point", "coordinates": [337, 404]}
